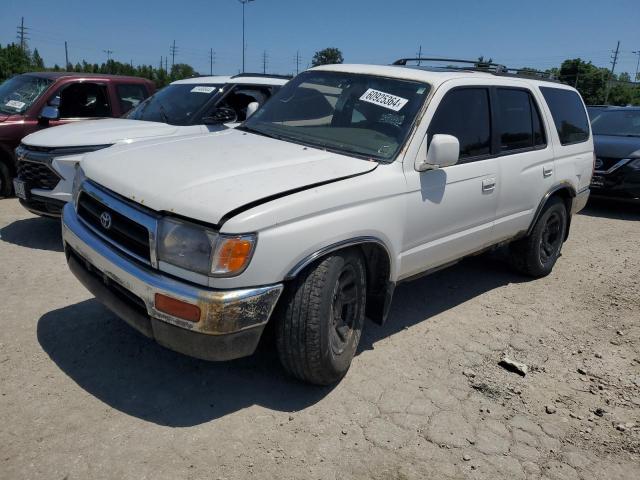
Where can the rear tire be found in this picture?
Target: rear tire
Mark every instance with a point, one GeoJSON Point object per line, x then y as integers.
{"type": "Point", "coordinates": [6, 187]}
{"type": "Point", "coordinates": [320, 318]}
{"type": "Point", "coordinates": [536, 254]}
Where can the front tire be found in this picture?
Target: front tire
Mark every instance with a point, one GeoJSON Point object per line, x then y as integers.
{"type": "Point", "coordinates": [320, 318]}
{"type": "Point", "coordinates": [536, 254]}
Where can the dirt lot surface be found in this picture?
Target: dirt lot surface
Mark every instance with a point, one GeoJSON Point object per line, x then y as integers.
{"type": "Point", "coordinates": [84, 396]}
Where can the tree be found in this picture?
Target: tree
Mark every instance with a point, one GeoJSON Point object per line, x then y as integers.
{"type": "Point", "coordinates": [182, 70]}
{"type": "Point", "coordinates": [327, 56]}
{"type": "Point", "coordinates": [590, 80]}
{"type": "Point", "coordinates": [36, 60]}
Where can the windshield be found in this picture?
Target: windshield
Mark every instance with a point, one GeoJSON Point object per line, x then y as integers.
{"type": "Point", "coordinates": [623, 123]}
{"type": "Point", "coordinates": [362, 115]}
{"type": "Point", "coordinates": [175, 104]}
{"type": "Point", "coordinates": [18, 93]}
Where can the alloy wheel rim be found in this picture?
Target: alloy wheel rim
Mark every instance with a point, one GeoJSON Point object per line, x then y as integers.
{"type": "Point", "coordinates": [551, 238]}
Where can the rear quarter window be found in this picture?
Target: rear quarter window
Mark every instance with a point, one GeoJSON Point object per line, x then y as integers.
{"type": "Point", "coordinates": [568, 114]}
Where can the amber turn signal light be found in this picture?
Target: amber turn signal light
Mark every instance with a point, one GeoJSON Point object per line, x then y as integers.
{"type": "Point", "coordinates": [177, 308]}
{"type": "Point", "coordinates": [233, 254]}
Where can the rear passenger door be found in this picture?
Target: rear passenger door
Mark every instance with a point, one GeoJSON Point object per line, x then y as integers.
{"type": "Point", "coordinates": [451, 210]}
{"type": "Point", "coordinates": [525, 159]}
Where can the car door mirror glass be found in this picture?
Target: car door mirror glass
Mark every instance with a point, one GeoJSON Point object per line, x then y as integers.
{"type": "Point", "coordinates": [443, 151]}
{"type": "Point", "coordinates": [50, 113]}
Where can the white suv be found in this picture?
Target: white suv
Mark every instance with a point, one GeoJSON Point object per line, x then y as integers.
{"type": "Point", "coordinates": [46, 160]}
{"type": "Point", "coordinates": [351, 179]}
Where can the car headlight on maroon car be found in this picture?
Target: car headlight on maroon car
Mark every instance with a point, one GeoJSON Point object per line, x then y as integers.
{"type": "Point", "coordinates": [199, 249]}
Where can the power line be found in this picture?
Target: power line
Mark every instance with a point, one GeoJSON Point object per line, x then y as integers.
{"type": "Point", "coordinates": [613, 67]}
{"type": "Point", "coordinates": [297, 60]}
{"type": "Point", "coordinates": [22, 34]}
{"type": "Point", "coordinates": [172, 50]}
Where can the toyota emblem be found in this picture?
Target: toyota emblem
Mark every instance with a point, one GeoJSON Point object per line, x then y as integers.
{"type": "Point", "coordinates": [105, 220]}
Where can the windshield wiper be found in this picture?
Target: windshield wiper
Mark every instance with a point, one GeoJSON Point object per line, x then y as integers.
{"type": "Point", "coordinates": [244, 128]}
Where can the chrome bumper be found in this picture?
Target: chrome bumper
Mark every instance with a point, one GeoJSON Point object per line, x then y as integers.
{"type": "Point", "coordinates": [129, 289]}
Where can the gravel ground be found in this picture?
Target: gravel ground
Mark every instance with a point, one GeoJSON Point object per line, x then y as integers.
{"type": "Point", "coordinates": [84, 396]}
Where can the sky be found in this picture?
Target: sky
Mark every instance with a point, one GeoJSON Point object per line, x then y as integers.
{"type": "Point", "coordinates": [537, 34]}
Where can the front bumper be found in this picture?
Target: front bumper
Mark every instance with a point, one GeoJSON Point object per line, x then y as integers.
{"type": "Point", "coordinates": [231, 321]}
{"type": "Point", "coordinates": [40, 205]}
{"type": "Point", "coordinates": [622, 183]}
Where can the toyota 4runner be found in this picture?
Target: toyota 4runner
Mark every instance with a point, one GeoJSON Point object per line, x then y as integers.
{"type": "Point", "coordinates": [351, 179]}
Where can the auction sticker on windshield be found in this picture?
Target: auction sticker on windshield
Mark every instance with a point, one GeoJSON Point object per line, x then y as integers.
{"type": "Point", "coordinates": [385, 100]}
{"type": "Point", "coordinates": [203, 89]}
{"type": "Point", "coordinates": [15, 104]}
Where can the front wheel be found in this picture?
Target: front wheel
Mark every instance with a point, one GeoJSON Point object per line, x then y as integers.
{"type": "Point", "coordinates": [320, 318]}
{"type": "Point", "coordinates": [536, 254]}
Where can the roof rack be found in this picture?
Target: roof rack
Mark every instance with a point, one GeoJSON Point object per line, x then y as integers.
{"type": "Point", "coordinates": [478, 66]}
{"type": "Point", "coordinates": [482, 66]}
{"type": "Point", "coordinates": [263, 75]}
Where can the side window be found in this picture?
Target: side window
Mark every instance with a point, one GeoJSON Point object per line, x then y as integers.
{"type": "Point", "coordinates": [465, 114]}
{"type": "Point", "coordinates": [519, 124]}
{"type": "Point", "coordinates": [130, 96]}
{"type": "Point", "coordinates": [84, 100]}
{"type": "Point", "coordinates": [240, 98]}
{"type": "Point", "coordinates": [568, 114]}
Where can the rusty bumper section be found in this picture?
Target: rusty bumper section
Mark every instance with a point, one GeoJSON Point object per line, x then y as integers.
{"type": "Point", "coordinates": [231, 322]}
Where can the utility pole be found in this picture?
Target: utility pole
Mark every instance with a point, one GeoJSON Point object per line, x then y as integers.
{"type": "Point", "coordinates": [419, 55]}
{"type": "Point", "coordinates": [212, 60]}
{"type": "Point", "coordinates": [244, 45]}
{"type": "Point", "coordinates": [297, 62]}
{"type": "Point", "coordinates": [66, 56]}
{"type": "Point", "coordinates": [166, 65]}
{"type": "Point", "coordinates": [264, 62]}
{"type": "Point", "coordinates": [108, 52]}
{"type": "Point", "coordinates": [636, 78]}
{"type": "Point", "coordinates": [172, 50]}
{"type": "Point", "coordinates": [161, 65]}
{"type": "Point", "coordinates": [22, 34]}
{"type": "Point", "coordinates": [613, 67]}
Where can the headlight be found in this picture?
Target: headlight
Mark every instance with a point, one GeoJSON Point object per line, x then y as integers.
{"type": "Point", "coordinates": [198, 249]}
{"type": "Point", "coordinates": [77, 183]}
{"type": "Point", "coordinates": [635, 164]}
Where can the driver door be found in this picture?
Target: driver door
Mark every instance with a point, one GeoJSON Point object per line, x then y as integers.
{"type": "Point", "coordinates": [451, 210]}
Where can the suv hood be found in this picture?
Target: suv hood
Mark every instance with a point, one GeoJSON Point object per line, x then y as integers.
{"type": "Point", "coordinates": [206, 177]}
{"type": "Point", "coordinates": [97, 132]}
{"type": "Point", "coordinates": [611, 146]}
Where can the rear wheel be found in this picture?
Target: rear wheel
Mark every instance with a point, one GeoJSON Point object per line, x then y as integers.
{"type": "Point", "coordinates": [320, 318]}
{"type": "Point", "coordinates": [536, 254]}
{"type": "Point", "coordinates": [6, 188]}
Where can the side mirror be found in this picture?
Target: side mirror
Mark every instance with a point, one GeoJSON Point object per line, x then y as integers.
{"type": "Point", "coordinates": [444, 151]}
{"type": "Point", "coordinates": [50, 113]}
{"type": "Point", "coordinates": [252, 108]}
{"type": "Point", "coordinates": [221, 115]}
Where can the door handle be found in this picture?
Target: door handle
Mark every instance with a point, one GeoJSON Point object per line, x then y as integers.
{"type": "Point", "coordinates": [547, 171]}
{"type": "Point", "coordinates": [488, 184]}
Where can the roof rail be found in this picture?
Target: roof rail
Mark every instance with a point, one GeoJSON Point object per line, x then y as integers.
{"type": "Point", "coordinates": [477, 65]}
{"type": "Point", "coordinates": [263, 75]}
{"type": "Point", "coordinates": [488, 67]}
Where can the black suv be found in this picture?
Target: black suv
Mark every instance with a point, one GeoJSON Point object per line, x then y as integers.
{"type": "Point", "coordinates": [616, 134]}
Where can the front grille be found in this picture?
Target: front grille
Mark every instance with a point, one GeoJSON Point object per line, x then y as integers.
{"type": "Point", "coordinates": [123, 232]}
{"type": "Point", "coordinates": [37, 175]}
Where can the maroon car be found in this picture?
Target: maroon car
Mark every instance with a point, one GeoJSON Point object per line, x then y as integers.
{"type": "Point", "coordinates": [33, 101]}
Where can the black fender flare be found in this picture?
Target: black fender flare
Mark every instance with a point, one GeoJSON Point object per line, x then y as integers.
{"type": "Point", "coordinates": [558, 188]}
